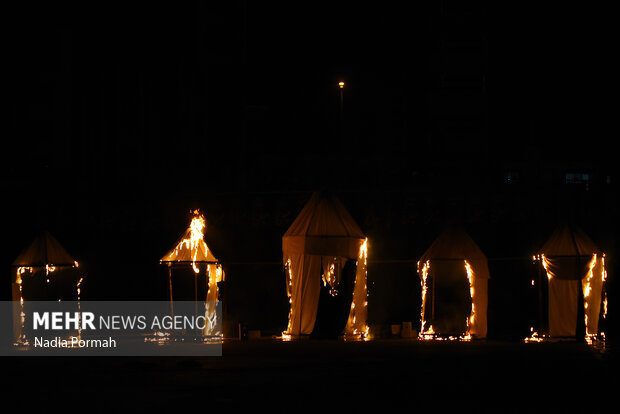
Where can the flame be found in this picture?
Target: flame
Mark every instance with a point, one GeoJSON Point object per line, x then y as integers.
{"type": "Point", "coordinates": [430, 333]}
{"type": "Point", "coordinates": [330, 277]}
{"type": "Point", "coordinates": [289, 272]}
{"type": "Point", "coordinates": [364, 250]}
{"type": "Point", "coordinates": [194, 240]}
{"type": "Point", "coordinates": [21, 270]}
{"type": "Point", "coordinates": [587, 295]}
{"type": "Point", "coordinates": [587, 290]}
{"type": "Point", "coordinates": [357, 326]}
{"type": "Point", "coordinates": [470, 278]}
{"type": "Point", "coordinates": [545, 264]}
{"type": "Point", "coordinates": [424, 273]}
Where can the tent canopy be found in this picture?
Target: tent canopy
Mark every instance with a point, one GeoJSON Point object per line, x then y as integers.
{"type": "Point", "coordinates": [323, 227]}
{"type": "Point", "coordinates": [191, 246]}
{"type": "Point", "coordinates": [455, 244]}
{"type": "Point", "coordinates": [570, 242]}
{"type": "Point", "coordinates": [44, 250]}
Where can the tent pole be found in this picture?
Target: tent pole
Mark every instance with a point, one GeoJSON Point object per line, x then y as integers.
{"type": "Point", "coordinates": [196, 294]}
{"type": "Point", "coordinates": [432, 299]}
{"type": "Point", "coordinates": [540, 297]}
{"type": "Point", "coordinates": [170, 289]}
{"type": "Point", "coordinates": [301, 307]}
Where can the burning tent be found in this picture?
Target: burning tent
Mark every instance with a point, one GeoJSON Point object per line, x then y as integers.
{"type": "Point", "coordinates": [35, 277]}
{"type": "Point", "coordinates": [324, 244]}
{"type": "Point", "coordinates": [575, 269]}
{"type": "Point", "coordinates": [454, 274]}
{"type": "Point", "coordinates": [191, 251]}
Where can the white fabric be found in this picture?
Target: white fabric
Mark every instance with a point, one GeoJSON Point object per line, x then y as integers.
{"type": "Point", "coordinates": [305, 288]}
{"type": "Point", "coordinates": [563, 299]}
{"type": "Point", "coordinates": [478, 329]}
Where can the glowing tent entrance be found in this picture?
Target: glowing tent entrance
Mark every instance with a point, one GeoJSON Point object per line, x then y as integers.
{"type": "Point", "coordinates": [575, 269]}
{"type": "Point", "coordinates": [41, 273]}
{"type": "Point", "coordinates": [454, 273]}
{"type": "Point", "coordinates": [325, 256]}
{"type": "Point", "coordinates": [192, 252]}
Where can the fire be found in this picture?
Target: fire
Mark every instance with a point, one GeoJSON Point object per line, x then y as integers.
{"type": "Point", "coordinates": [289, 273]}
{"type": "Point", "coordinates": [470, 278]}
{"type": "Point", "coordinates": [424, 272]}
{"type": "Point", "coordinates": [545, 264]}
{"type": "Point", "coordinates": [360, 293]}
{"type": "Point", "coordinates": [430, 333]}
{"type": "Point", "coordinates": [196, 228]}
{"type": "Point", "coordinates": [587, 290]}
{"type": "Point", "coordinates": [364, 250]}
{"type": "Point", "coordinates": [19, 281]}
{"type": "Point", "coordinates": [330, 277]}
{"type": "Point", "coordinates": [587, 295]}
{"type": "Point", "coordinates": [78, 287]}
{"type": "Point", "coordinates": [192, 248]}
{"type": "Point", "coordinates": [194, 239]}
{"type": "Point", "coordinates": [356, 327]}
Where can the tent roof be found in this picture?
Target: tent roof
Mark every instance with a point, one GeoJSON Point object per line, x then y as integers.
{"type": "Point", "coordinates": [44, 250]}
{"type": "Point", "coordinates": [569, 241]}
{"type": "Point", "coordinates": [453, 244]}
{"type": "Point", "coordinates": [323, 227]}
{"type": "Point", "coordinates": [186, 250]}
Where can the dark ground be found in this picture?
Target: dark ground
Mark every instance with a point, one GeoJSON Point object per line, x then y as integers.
{"type": "Point", "coordinates": [266, 374]}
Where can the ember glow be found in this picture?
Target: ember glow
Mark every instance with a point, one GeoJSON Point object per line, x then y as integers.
{"type": "Point", "coordinates": [545, 265]}
{"type": "Point", "coordinates": [289, 289]}
{"type": "Point", "coordinates": [357, 327]}
{"type": "Point", "coordinates": [424, 273]}
{"type": "Point", "coordinates": [470, 278]}
{"type": "Point", "coordinates": [587, 290]}
{"type": "Point", "coordinates": [533, 336]}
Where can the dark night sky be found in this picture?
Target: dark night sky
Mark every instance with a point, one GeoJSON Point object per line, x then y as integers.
{"type": "Point", "coordinates": [115, 113]}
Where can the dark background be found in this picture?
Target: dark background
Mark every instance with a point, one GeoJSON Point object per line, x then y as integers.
{"type": "Point", "coordinates": [122, 119]}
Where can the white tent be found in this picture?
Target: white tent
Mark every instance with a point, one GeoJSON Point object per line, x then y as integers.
{"type": "Point", "coordinates": [574, 266]}
{"type": "Point", "coordinates": [320, 241]}
{"type": "Point", "coordinates": [457, 262]}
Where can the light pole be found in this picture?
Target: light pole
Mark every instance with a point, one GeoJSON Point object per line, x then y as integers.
{"type": "Point", "coordinates": [341, 87]}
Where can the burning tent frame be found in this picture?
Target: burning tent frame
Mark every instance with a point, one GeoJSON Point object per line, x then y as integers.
{"type": "Point", "coordinates": [192, 251]}
{"type": "Point", "coordinates": [575, 284]}
{"type": "Point", "coordinates": [317, 247]}
{"type": "Point", "coordinates": [451, 250]}
{"type": "Point", "coordinates": [44, 256]}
